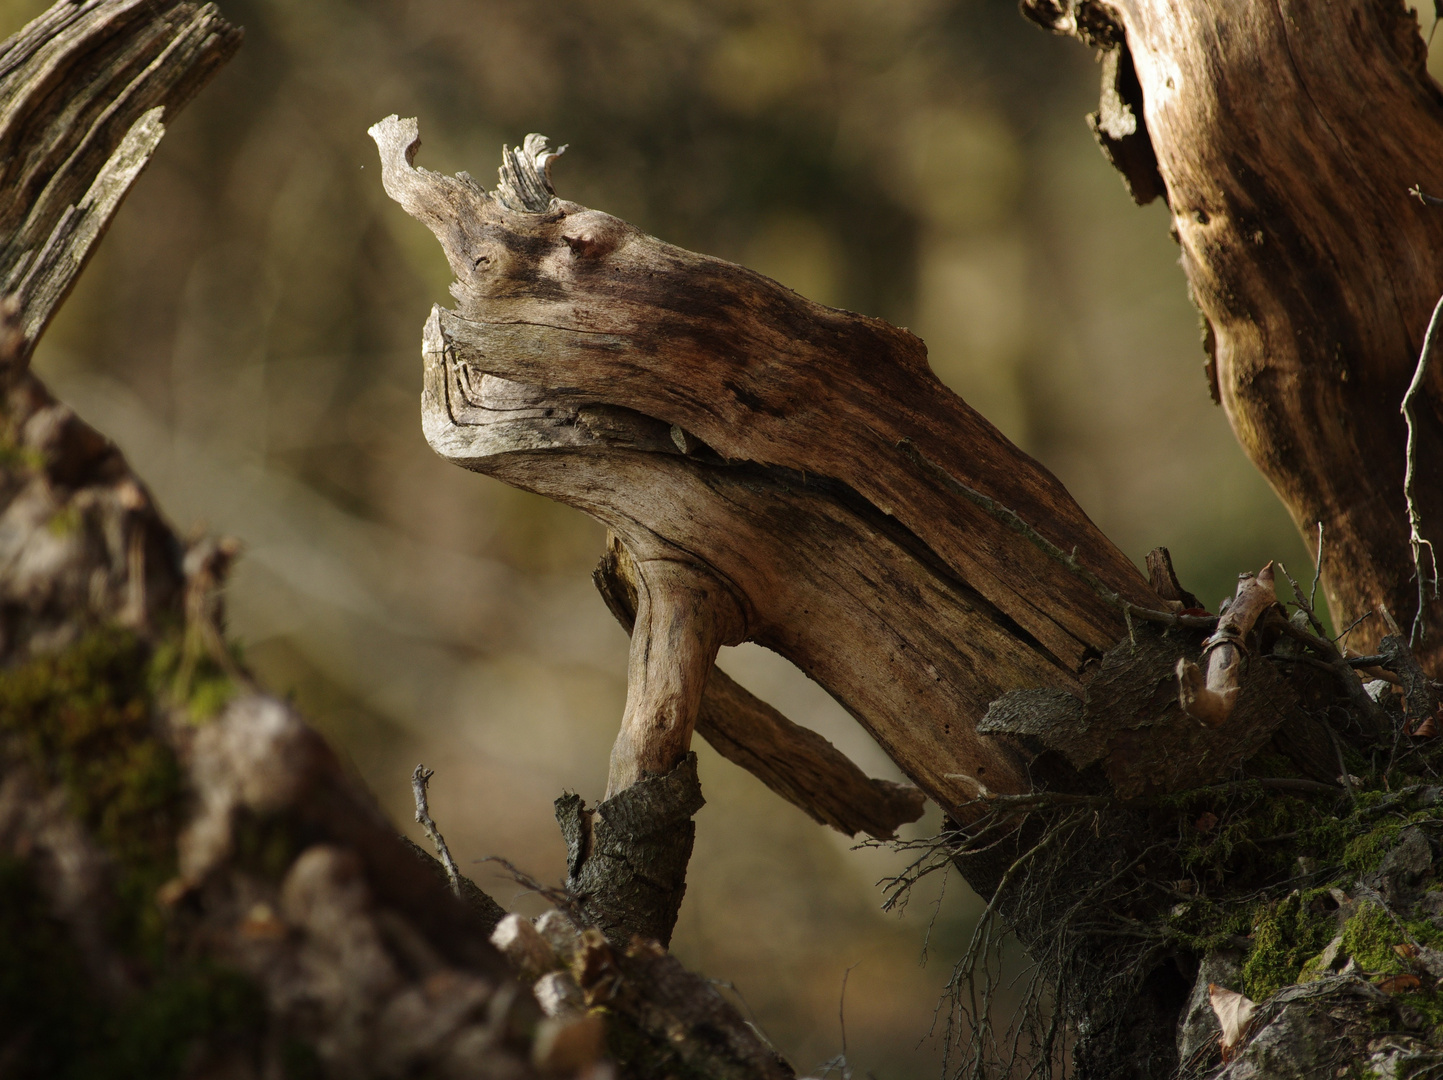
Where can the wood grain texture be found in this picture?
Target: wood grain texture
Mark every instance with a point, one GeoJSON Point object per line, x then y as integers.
{"type": "Point", "coordinates": [795, 762]}
{"type": "Point", "coordinates": [1287, 135]}
{"type": "Point", "coordinates": [711, 417]}
{"type": "Point", "coordinates": [84, 91]}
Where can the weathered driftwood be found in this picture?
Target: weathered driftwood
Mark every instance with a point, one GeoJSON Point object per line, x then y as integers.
{"type": "Point", "coordinates": [1314, 268]}
{"type": "Point", "coordinates": [779, 471]}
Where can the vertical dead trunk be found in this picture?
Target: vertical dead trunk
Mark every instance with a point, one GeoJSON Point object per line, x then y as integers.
{"type": "Point", "coordinates": [1285, 137]}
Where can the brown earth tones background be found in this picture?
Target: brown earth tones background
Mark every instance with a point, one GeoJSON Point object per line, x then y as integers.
{"type": "Point", "coordinates": [250, 334]}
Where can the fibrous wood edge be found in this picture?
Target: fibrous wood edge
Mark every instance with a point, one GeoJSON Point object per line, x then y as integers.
{"type": "Point", "coordinates": [84, 90]}
{"type": "Point", "coordinates": [794, 762]}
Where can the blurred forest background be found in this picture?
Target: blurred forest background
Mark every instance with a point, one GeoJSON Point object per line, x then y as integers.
{"type": "Point", "coordinates": [250, 334]}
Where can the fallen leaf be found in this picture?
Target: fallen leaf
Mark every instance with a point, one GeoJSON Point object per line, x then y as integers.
{"type": "Point", "coordinates": [1396, 984]}
{"type": "Point", "coordinates": [1207, 822]}
{"type": "Point", "coordinates": [1234, 1012]}
{"type": "Point", "coordinates": [1407, 950]}
{"type": "Point", "coordinates": [1424, 730]}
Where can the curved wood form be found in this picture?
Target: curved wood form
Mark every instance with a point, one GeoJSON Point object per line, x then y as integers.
{"type": "Point", "coordinates": [795, 762]}
{"type": "Point", "coordinates": [794, 464]}
{"type": "Point", "coordinates": [1285, 136]}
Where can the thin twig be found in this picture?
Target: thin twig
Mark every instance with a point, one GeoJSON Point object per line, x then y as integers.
{"type": "Point", "coordinates": [1343, 776]}
{"type": "Point", "coordinates": [1351, 682]}
{"type": "Point", "coordinates": [1317, 570]}
{"type": "Point", "coordinates": [1416, 542]}
{"type": "Point", "coordinates": [419, 779]}
{"type": "Point", "coordinates": [1306, 605]}
{"type": "Point", "coordinates": [1353, 626]}
{"type": "Point", "coordinates": [1017, 524]}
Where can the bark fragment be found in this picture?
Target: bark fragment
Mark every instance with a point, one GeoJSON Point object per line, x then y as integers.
{"type": "Point", "coordinates": [626, 859]}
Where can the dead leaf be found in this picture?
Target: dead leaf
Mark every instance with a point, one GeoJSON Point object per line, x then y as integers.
{"type": "Point", "coordinates": [1407, 950]}
{"type": "Point", "coordinates": [1207, 822]}
{"type": "Point", "coordinates": [1234, 1012]}
{"type": "Point", "coordinates": [1397, 984]}
{"type": "Point", "coordinates": [1425, 729]}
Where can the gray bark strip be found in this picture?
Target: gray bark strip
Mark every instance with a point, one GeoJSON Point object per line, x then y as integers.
{"type": "Point", "coordinates": [84, 90]}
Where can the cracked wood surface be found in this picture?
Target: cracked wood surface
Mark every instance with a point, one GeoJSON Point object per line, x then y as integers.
{"type": "Point", "coordinates": [1284, 136]}
{"type": "Point", "coordinates": [717, 421]}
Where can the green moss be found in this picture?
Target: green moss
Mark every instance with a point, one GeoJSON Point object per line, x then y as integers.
{"type": "Point", "coordinates": [1363, 854]}
{"type": "Point", "coordinates": [183, 672]}
{"type": "Point", "coordinates": [1201, 927]}
{"type": "Point", "coordinates": [265, 845]}
{"type": "Point", "coordinates": [1285, 935]}
{"type": "Point", "coordinates": [86, 717]}
{"type": "Point", "coordinates": [64, 522]}
{"type": "Point", "coordinates": [49, 1006]}
{"type": "Point", "coordinates": [1369, 937]}
{"type": "Point", "coordinates": [153, 1035]}
{"type": "Point", "coordinates": [1428, 1006]}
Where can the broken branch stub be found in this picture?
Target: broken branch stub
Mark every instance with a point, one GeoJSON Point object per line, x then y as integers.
{"type": "Point", "coordinates": [715, 420]}
{"type": "Point", "coordinates": [1209, 698]}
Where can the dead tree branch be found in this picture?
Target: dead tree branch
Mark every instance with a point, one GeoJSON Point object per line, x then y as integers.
{"type": "Point", "coordinates": [420, 778]}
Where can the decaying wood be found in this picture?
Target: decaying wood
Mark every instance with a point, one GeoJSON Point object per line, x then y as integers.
{"type": "Point", "coordinates": [1209, 698]}
{"type": "Point", "coordinates": [1288, 185]}
{"type": "Point", "coordinates": [197, 892]}
{"type": "Point", "coordinates": [1163, 579]}
{"type": "Point", "coordinates": [814, 477]}
{"type": "Point", "coordinates": [1129, 729]}
{"type": "Point", "coordinates": [84, 93]}
{"type": "Point", "coordinates": [795, 762]}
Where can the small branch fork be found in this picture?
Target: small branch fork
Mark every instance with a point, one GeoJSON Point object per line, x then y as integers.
{"type": "Point", "coordinates": [1416, 540]}
{"type": "Point", "coordinates": [419, 779]}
